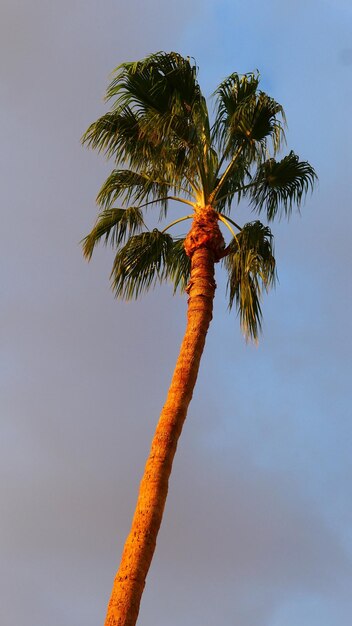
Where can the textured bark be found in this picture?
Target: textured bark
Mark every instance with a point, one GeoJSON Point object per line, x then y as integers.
{"type": "Point", "coordinates": [139, 548]}
{"type": "Point", "coordinates": [205, 231]}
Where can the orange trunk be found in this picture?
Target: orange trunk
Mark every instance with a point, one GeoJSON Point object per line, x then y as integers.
{"type": "Point", "coordinates": [140, 544]}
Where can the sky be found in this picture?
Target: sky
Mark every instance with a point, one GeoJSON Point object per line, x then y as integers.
{"type": "Point", "coordinates": [257, 527]}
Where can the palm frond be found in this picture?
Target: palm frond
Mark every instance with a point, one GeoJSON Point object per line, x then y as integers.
{"type": "Point", "coordinates": [153, 82]}
{"type": "Point", "coordinates": [163, 91]}
{"type": "Point", "coordinates": [112, 133]}
{"type": "Point", "coordinates": [246, 117]}
{"type": "Point", "coordinates": [251, 268]}
{"type": "Point", "coordinates": [129, 186]}
{"type": "Point", "coordinates": [121, 136]}
{"type": "Point", "coordinates": [146, 259]}
{"type": "Point", "coordinates": [260, 121]}
{"type": "Point", "coordinates": [159, 118]}
{"type": "Point", "coordinates": [280, 184]}
{"type": "Point", "coordinates": [178, 265]}
{"type": "Point", "coordinates": [232, 187]}
{"type": "Point", "coordinates": [113, 225]}
{"type": "Point", "coordinates": [247, 120]}
{"type": "Point", "coordinates": [140, 264]}
{"type": "Point", "coordinates": [229, 97]}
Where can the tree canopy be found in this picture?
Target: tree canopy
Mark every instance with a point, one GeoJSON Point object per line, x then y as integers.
{"type": "Point", "coordinates": [166, 147]}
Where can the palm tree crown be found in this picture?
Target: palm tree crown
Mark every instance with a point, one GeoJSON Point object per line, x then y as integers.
{"type": "Point", "coordinates": [165, 148]}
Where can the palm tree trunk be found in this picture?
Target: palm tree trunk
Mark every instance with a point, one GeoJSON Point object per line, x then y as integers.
{"type": "Point", "coordinates": [139, 548]}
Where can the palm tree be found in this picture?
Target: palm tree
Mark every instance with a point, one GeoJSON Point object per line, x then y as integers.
{"type": "Point", "coordinates": [166, 149]}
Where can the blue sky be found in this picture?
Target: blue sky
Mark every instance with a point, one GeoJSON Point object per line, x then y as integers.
{"type": "Point", "coordinates": [257, 528]}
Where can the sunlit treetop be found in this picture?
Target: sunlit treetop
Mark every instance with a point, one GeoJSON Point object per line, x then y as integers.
{"type": "Point", "coordinates": [164, 146]}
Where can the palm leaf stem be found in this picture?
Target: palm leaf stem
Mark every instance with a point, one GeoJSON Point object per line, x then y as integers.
{"type": "Point", "coordinates": [202, 172]}
{"type": "Point", "coordinates": [224, 221]}
{"type": "Point", "coordinates": [189, 180]}
{"type": "Point", "coordinates": [237, 190]}
{"type": "Point", "coordinates": [229, 220]}
{"type": "Point", "coordinates": [166, 182]}
{"type": "Point", "coordinates": [225, 174]}
{"type": "Point", "coordinates": [177, 199]}
{"type": "Point", "coordinates": [223, 157]}
{"type": "Point", "coordinates": [181, 219]}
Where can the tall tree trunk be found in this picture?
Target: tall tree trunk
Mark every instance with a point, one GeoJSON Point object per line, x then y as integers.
{"type": "Point", "coordinates": [140, 544]}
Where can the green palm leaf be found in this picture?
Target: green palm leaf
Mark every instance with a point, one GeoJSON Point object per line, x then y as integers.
{"type": "Point", "coordinates": [232, 186]}
{"type": "Point", "coordinates": [260, 121]}
{"type": "Point", "coordinates": [158, 135]}
{"type": "Point", "coordinates": [140, 264]}
{"type": "Point", "coordinates": [281, 184]}
{"type": "Point", "coordinates": [163, 92]}
{"type": "Point", "coordinates": [129, 186]}
{"type": "Point", "coordinates": [178, 265]}
{"type": "Point", "coordinates": [159, 120]}
{"type": "Point", "coordinates": [113, 225]}
{"type": "Point", "coordinates": [246, 117]}
{"type": "Point", "coordinates": [120, 135]}
{"type": "Point", "coordinates": [230, 96]}
{"type": "Point", "coordinates": [154, 83]}
{"type": "Point", "coordinates": [251, 268]}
